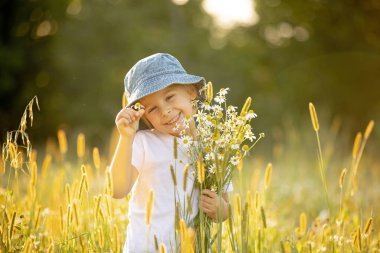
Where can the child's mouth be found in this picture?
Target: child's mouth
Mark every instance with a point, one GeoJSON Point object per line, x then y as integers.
{"type": "Point", "coordinates": [174, 120]}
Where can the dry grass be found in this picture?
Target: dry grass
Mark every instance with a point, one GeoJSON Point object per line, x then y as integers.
{"type": "Point", "coordinates": [50, 204]}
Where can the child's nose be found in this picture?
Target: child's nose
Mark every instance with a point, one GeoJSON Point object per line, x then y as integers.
{"type": "Point", "coordinates": [166, 111]}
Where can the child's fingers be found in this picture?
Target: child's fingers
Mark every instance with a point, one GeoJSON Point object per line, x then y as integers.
{"type": "Point", "coordinates": [129, 114]}
{"type": "Point", "coordinates": [205, 198]}
{"type": "Point", "coordinates": [127, 119]}
{"type": "Point", "coordinates": [122, 114]}
{"type": "Point", "coordinates": [207, 192]}
{"type": "Point", "coordinates": [140, 113]}
{"type": "Point", "coordinates": [207, 205]}
{"type": "Point", "coordinates": [205, 209]}
{"type": "Point", "coordinates": [208, 200]}
{"type": "Point", "coordinates": [123, 122]}
{"type": "Point", "coordinates": [135, 115]}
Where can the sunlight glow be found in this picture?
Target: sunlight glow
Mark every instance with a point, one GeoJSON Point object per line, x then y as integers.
{"type": "Point", "coordinates": [180, 2]}
{"type": "Point", "coordinates": [230, 13]}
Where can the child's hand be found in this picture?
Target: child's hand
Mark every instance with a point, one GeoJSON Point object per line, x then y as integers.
{"type": "Point", "coordinates": [210, 202]}
{"type": "Point", "coordinates": [127, 121]}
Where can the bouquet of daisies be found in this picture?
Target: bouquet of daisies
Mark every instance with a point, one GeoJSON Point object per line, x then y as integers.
{"type": "Point", "coordinates": [223, 137]}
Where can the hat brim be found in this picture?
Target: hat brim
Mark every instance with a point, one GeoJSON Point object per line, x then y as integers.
{"type": "Point", "coordinates": [161, 82]}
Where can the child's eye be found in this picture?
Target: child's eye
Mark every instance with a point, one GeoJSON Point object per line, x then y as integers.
{"type": "Point", "coordinates": [152, 109]}
{"type": "Point", "coordinates": [169, 97]}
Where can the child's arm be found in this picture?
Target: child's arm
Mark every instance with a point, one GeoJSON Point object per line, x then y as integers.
{"type": "Point", "coordinates": [123, 172]}
{"type": "Point", "coordinates": [210, 202]}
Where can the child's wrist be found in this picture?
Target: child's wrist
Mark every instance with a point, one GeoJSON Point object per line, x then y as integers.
{"type": "Point", "coordinates": [126, 139]}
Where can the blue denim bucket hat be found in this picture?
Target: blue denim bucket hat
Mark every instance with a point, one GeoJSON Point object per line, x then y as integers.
{"type": "Point", "coordinates": [155, 73]}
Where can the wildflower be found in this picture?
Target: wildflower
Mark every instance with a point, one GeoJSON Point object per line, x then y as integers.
{"type": "Point", "coordinates": [221, 143]}
{"type": "Point", "coordinates": [212, 169]}
{"type": "Point", "coordinates": [187, 120]}
{"type": "Point", "coordinates": [249, 135]}
{"type": "Point", "coordinates": [250, 115]}
{"type": "Point", "coordinates": [209, 156]}
{"type": "Point", "coordinates": [186, 140]}
{"type": "Point", "coordinates": [219, 115]}
{"type": "Point", "coordinates": [206, 106]}
{"type": "Point", "coordinates": [220, 156]}
{"type": "Point", "coordinates": [217, 109]}
{"type": "Point", "coordinates": [235, 146]}
{"type": "Point", "coordinates": [223, 91]}
{"type": "Point", "coordinates": [220, 99]}
{"type": "Point", "coordinates": [239, 121]}
{"type": "Point", "coordinates": [235, 160]}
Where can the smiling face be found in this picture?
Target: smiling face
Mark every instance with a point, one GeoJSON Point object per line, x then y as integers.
{"type": "Point", "coordinates": [169, 106]}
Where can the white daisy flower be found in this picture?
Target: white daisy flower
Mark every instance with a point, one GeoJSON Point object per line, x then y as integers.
{"type": "Point", "coordinates": [220, 99]}
{"type": "Point", "coordinates": [212, 169]}
{"type": "Point", "coordinates": [231, 108]}
{"type": "Point", "coordinates": [221, 143]}
{"type": "Point", "coordinates": [249, 135]}
{"type": "Point", "coordinates": [206, 106]}
{"type": "Point", "coordinates": [235, 160]}
{"type": "Point", "coordinates": [235, 146]}
{"type": "Point", "coordinates": [223, 91]}
{"type": "Point", "coordinates": [250, 115]}
{"type": "Point", "coordinates": [217, 109]}
{"type": "Point", "coordinates": [186, 140]}
{"type": "Point", "coordinates": [209, 156]}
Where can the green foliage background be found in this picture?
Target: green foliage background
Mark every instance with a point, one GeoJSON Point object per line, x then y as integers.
{"type": "Point", "coordinates": [299, 51]}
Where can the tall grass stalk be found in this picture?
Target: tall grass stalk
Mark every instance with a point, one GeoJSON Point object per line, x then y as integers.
{"type": "Point", "coordinates": [315, 122]}
{"type": "Point", "coordinates": [357, 155]}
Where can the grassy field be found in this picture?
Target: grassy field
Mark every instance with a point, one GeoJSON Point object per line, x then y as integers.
{"type": "Point", "coordinates": [309, 198]}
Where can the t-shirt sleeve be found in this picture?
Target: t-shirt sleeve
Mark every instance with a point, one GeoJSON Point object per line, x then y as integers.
{"type": "Point", "coordinates": [138, 151]}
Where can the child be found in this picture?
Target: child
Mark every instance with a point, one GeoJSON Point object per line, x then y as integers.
{"type": "Point", "coordinates": [142, 159]}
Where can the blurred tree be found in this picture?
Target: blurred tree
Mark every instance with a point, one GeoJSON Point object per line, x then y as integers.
{"type": "Point", "coordinates": [27, 30]}
{"type": "Point", "coordinates": [321, 51]}
{"type": "Point", "coordinates": [74, 56]}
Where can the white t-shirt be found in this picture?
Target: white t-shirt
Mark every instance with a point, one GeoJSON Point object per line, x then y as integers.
{"type": "Point", "coordinates": [152, 155]}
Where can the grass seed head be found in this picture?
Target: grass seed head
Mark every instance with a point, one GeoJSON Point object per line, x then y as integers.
{"type": "Point", "coordinates": [46, 165]}
{"type": "Point", "coordinates": [303, 223]}
{"type": "Point", "coordinates": [185, 174]}
{"type": "Point", "coordinates": [368, 227]}
{"type": "Point", "coordinates": [314, 117]}
{"type": "Point", "coordinates": [175, 148]}
{"type": "Point", "coordinates": [149, 207]}
{"type": "Point", "coordinates": [257, 200]}
{"type": "Point", "coordinates": [357, 144]}
{"type": "Point", "coordinates": [210, 92]}
{"type": "Point", "coordinates": [341, 178]}
{"type": "Point", "coordinates": [369, 129]}
{"type": "Point", "coordinates": [62, 141]}
{"type": "Point", "coordinates": [68, 194]}
{"type": "Point", "coordinates": [162, 248]}
{"type": "Point", "coordinates": [172, 173]}
{"type": "Point", "coordinates": [268, 174]}
{"type": "Point", "coordinates": [246, 106]}
{"type": "Point", "coordinates": [81, 145]}
{"type": "Point", "coordinates": [96, 158]}
{"type": "Point", "coordinates": [201, 170]}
